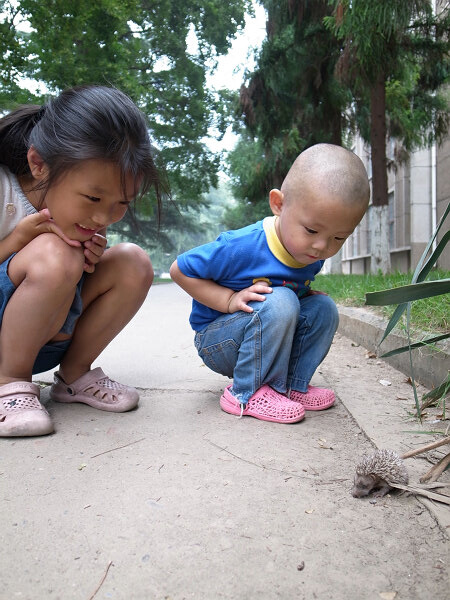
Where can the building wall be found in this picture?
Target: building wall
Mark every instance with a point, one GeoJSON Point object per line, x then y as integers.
{"type": "Point", "coordinates": [443, 195]}
{"type": "Point", "coordinates": [419, 193]}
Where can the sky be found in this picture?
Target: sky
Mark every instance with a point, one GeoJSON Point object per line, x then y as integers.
{"type": "Point", "coordinates": [230, 70]}
{"type": "Point", "coordinates": [231, 67]}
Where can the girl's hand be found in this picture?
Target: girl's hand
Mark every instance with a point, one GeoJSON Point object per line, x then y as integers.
{"type": "Point", "coordinates": [254, 293]}
{"type": "Point", "coordinates": [33, 225]}
{"type": "Point", "coordinates": [93, 251]}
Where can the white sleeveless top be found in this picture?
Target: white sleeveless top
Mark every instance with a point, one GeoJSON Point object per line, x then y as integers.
{"type": "Point", "coordinates": [14, 205]}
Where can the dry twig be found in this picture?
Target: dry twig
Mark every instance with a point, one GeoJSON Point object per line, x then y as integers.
{"type": "Point", "coordinates": [103, 579]}
{"type": "Point", "coordinates": [257, 464]}
{"type": "Point", "coordinates": [422, 492]}
{"type": "Point", "coordinates": [436, 470]}
{"type": "Point", "coordinates": [431, 446]}
{"type": "Point", "coordinates": [118, 448]}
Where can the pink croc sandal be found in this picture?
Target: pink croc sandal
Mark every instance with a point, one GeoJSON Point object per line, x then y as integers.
{"type": "Point", "coordinates": [315, 398]}
{"type": "Point", "coordinates": [21, 413]}
{"type": "Point", "coordinates": [265, 404]}
{"type": "Point", "coordinates": [96, 389]}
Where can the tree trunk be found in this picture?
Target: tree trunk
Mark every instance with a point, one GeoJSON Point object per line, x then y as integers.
{"type": "Point", "coordinates": [380, 259]}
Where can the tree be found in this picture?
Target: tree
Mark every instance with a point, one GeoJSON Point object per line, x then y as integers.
{"type": "Point", "coordinates": [193, 227]}
{"type": "Point", "coordinates": [395, 59]}
{"type": "Point", "coordinates": [291, 100]}
{"type": "Point", "coordinates": [140, 47]}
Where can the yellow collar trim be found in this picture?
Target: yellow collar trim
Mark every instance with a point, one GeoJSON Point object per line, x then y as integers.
{"type": "Point", "coordinates": [276, 247]}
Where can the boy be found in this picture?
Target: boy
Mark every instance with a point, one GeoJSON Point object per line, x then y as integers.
{"type": "Point", "coordinates": [255, 317]}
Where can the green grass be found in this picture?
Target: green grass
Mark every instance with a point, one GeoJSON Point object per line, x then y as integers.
{"type": "Point", "coordinates": [430, 314]}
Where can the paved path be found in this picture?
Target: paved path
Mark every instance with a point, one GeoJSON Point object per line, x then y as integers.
{"type": "Point", "coordinates": [179, 500]}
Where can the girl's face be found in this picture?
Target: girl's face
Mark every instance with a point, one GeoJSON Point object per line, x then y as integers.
{"type": "Point", "coordinates": [88, 198]}
{"type": "Point", "coordinates": [313, 228]}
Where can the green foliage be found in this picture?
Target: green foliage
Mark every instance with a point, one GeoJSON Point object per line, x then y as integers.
{"type": "Point", "coordinates": [181, 228]}
{"type": "Point", "coordinates": [429, 315]}
{"type": "Point", "coordinates": [140, 47]}
{"type": "Point", "coordinates": [406, 45]}
{"type": "Point", "coordinates": [404, 296]}
{"type": "Point", "coordinates": [292, 99]}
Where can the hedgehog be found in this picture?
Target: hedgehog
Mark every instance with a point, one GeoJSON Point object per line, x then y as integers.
{"type": "Point", "coordinates": [375, 474]}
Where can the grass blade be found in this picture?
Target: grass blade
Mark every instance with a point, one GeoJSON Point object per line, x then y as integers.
{"type": "Point", "coordinates": [430, 243]}
{"type": "Point", "coordinates": [394, 319]}
{"type": "Point", "coordinates": [416, 345]}
{"type": "Point", "coordinates": [439, 392]}
{"type": "Point", "coordinates": [409, 293]}
{"type": "Point", "coordinates": [433, 258]}
{"type": "Point", "coordinates": [411, 366]}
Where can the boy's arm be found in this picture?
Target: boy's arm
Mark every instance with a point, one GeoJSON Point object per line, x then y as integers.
{"type": "Point", "coordinates": [217, 296]}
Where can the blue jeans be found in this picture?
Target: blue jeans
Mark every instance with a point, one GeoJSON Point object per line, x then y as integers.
{"type": "Point", "coordinates": [281, 343]}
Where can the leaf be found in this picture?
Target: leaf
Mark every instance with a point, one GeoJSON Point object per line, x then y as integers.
{"type": "Point", "coordinates": [421, 271]}
{"type": "Point", "coordinates": [418, 269]}
{"type": "Point", "coordinates": [433, 258]}
{"type": "Point", "coordinates": [439, 392]}
{"type": "Point", "coordinates": [409, 293]}
{"type": "Point", "coordinates": [393, 320]}
{"type": "Point", "coordinates": [426, 342]}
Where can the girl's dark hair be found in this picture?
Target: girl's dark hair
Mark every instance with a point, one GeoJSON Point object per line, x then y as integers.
{"type": "Point", "coordinates": [82, 123]}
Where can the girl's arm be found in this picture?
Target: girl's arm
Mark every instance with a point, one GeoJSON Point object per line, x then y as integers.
{"type": "Point", "coordinates": [217, 296]}
{"type": "Point", "coordinates": [27, 229]}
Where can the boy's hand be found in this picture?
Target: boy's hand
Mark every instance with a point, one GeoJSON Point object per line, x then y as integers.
{"type": "Point", "coordinates": [254, 293]}
{"type": "Point", "coordinates": [93, 251]}
{"type": "Point", "coordinates": [33, 225]}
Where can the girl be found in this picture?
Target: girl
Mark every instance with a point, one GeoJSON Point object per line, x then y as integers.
{"type": "Point", "coordinates": [68, 170]}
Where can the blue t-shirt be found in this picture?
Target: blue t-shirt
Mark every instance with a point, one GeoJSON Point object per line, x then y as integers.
{"type": "Point", "coordinates": [238, 259]}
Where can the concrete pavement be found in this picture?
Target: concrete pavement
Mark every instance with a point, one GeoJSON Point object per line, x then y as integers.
{"type": "Point", "coordinates": [179, 500]}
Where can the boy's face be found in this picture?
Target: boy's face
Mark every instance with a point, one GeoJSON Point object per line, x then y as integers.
{"type": "Point", "coordinates": [314, 227]}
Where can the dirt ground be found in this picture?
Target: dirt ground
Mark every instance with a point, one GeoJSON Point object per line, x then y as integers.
{"type": "Point", "coordinates": [178, 500]}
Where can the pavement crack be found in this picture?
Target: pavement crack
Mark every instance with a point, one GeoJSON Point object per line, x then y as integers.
{"type": "Point", "coordinates": [264, 467]}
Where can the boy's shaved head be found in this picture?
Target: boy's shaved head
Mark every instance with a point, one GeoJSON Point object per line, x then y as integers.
{"type": "Point", "coordinates": [330, 168]}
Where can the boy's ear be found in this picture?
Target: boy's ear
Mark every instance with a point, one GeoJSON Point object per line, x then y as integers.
{"type": "Point", "coordinates": [276, 200]}
{"type": "Point", "coordinates": [38, 168]}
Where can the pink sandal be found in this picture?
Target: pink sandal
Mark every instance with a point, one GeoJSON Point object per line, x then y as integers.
{"type": "Point", "coordinates": [265, 404]}
{"type": "Point", "coordinates": [314, 399]}
{"type": "Point", "coordinates": [96, 389]}
{"type": "Point", "coordinates": [21, 413]}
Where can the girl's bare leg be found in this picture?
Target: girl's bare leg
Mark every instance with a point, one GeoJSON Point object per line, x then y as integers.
{"type": "Point", "coordinates": [45, 274]}
{"type": "Point", "coordinates": [111, 297]}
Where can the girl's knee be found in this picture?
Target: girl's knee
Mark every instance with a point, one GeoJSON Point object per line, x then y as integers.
{"type": "Point", "coordinates": [131, 264]}
{"type": "Point", "coordinates": [50, 259]}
